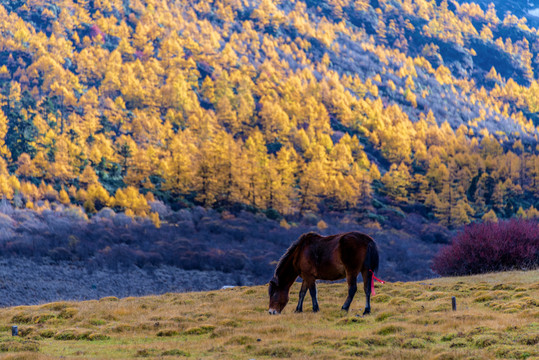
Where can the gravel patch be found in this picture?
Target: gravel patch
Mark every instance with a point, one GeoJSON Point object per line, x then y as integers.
{"type": "Point", "coordinates": [26, 282]}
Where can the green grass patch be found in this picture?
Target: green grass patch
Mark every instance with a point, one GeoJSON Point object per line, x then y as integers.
{"type": "Point", "coordinates": [485, 341]}
{"type": "Point", "coordinates": [390, 329]}
{"type": "Point", "coordinates": [415, 344]}
{"type": "Point", "coordinates": [175, 353]}
{"type": "Point", "coordinates": [47, 333]}
{"type": "Point", "coordinates": [279, 351]}
{"type": "Point", "coordinates": [11, 346]}
{"type": "Point", "coordinates": [167, 332]}
{"type": "Point", "coordinates": [384, 316]}
{"type": "Point", "coordinates": [68, 313]}
{"type": "Point", "coordinates": [200, 330]}
{"type": "Point", "coordinates": [97, 322]}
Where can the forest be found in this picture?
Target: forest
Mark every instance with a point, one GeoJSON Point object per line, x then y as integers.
{"type": "Point", "coordinates": [286, 107]}
{"type": "Point", "coordinates": [294, 110]}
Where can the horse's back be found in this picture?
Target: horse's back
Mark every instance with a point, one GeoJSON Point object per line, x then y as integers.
{"type": "Point", "coordinates": [332, 257]}
{"type": "Point", "coordinates": [322, 258]}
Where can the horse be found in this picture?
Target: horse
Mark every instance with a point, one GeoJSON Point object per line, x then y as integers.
{"type": "Point", "coordinates": [333, 257]}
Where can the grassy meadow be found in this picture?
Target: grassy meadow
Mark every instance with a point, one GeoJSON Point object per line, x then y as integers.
{"type": "Point", "coordinates": [497, 317]}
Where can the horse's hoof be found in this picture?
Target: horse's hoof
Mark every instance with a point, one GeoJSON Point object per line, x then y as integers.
{"type": "Point", "coordinates": [366, 312]}
{"type": "Point", "coordinates": [298, 311]}
{"type": "Point", "coordinates": [316, 310]}
{"type": "Point", "coordinates": [344, 309]}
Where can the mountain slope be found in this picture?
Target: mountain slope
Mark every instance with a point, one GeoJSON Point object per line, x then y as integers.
{"type": "Point", "coordinates": [148, 94]}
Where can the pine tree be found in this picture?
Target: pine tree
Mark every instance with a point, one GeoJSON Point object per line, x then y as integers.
{"type": "Point", "coordinates": [490, 216]}
{"type": "Point", "coordinates": [256, 170]}
{"type": "Point", "coordinates": [179, 166]}
{"type": "Point", "coordinates": [21, 133]}
{"type": "Point", "coordinates": [4, 151]}
{"type": "Point", "coordinates": [283, 170]}
{"type": "Point", "coordinates": [88, 176]}
{"type": "Point", "coordinates": [397, 181]}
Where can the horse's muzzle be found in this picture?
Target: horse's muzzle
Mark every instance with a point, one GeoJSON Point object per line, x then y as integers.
{"type": "Point", "coordinates": [273, 312]}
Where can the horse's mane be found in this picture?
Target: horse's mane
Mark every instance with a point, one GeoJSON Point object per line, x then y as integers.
{"type": "Point", "coordinates": [292, 249]}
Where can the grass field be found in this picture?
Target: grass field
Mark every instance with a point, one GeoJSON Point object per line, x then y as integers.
{"type": "Point", "coordinates": [497, 317]}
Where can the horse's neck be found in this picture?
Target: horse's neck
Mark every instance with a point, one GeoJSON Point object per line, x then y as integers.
{"type": "Point", "coordinates": [287, 273]}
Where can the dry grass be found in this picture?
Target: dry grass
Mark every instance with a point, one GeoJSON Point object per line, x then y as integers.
{"type": "Point", "coordinates": [497, 317]}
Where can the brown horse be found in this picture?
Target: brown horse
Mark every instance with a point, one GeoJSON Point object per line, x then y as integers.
{"type": "Point", "coordinates": [333, 257]}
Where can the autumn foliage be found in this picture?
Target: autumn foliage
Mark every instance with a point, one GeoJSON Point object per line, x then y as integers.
{"type": "Point", "coordinates": [491, 246]}
{"type": "Point", "coordinates": [287, 107]}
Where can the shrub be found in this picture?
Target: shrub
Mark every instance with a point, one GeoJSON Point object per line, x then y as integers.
{"type": "Point", "coordinates": [68, 313]}
{"type": "Point", "coordinates": [175, 352]}
{"type": "Point", "coordinates": [205, 329]}
{"type": "Point", "coordinates": [66, 335]}
{"type": "Point", "coordinates": [167, 332]}
{"type": "Point", "coordinates": [414, 344]}
{"type": "Point", "coordinates": [10, 346]}
{"type": "Point", "coordinates": [97, 337]}
{"type": "Point", "coordinates": [491, 246]}
{"type": "Point", "coordinates": [47, 333]}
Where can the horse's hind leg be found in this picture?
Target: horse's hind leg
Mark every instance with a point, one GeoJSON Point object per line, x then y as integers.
{"type": "Point", "coordinates": [312, 291]}
{"type": "Point", "coordinates": [367, 283]}
{"type": "Point", "coordinates": [352, 288]}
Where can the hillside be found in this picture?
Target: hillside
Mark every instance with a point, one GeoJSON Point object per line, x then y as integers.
{"type": "Point", "coordinates": [497, 317]}
{"type": "Point", "coordinates": [278, 106]}
{"type": "Point", "coordinates": [522, 9]}
{"type": "Point", "coordinates": [209, 135]}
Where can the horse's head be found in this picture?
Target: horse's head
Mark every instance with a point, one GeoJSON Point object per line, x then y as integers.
{"type": "Point", "coordinates": [278, 297]}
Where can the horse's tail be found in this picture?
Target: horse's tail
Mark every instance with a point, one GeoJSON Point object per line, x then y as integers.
{"type": "Point", "coordinates": [372, 259]}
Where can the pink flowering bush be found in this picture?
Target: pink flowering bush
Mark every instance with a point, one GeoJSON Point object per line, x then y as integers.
{"type": "Point", "coordinates": [491, 246]}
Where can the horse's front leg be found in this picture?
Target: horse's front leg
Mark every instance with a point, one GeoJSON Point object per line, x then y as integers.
{"type": "Point", "coordinates": [351, 279]}
{"type": "Point", "coordinates": [302, 292]}
{"type": "Point", "coordinates": [312, 291]}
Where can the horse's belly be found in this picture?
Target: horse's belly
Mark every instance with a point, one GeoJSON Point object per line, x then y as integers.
{"type": "Point", "coordinates": [331, 272]}
{"type": "Point", "coordinates": [333, 277]}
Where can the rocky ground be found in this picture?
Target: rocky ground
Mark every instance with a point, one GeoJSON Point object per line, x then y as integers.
{"type": "Point", "coordinates": [25, 282]}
